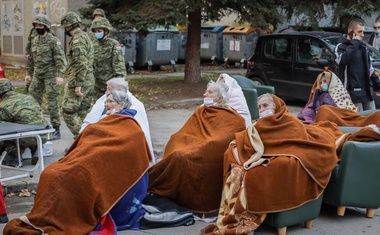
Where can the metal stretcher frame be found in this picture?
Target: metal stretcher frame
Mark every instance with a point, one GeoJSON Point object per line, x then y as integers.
{"type": "Point", "coordinates": [18, 134]}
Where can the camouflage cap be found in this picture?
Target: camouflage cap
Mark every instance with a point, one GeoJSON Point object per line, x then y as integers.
{"type": "Point", "coordinates": [69, 19]}
{"type": "Point", "coordinates": [99, 11]}
{"type": "Point", "coordinates": [102, 23]}
{"type": "Point", "coordinates": [42, 19]}
{"type": "Point", "coordinates": [5, 86]}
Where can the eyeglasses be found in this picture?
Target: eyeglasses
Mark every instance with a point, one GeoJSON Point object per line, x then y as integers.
{"type": "Point", "coordinates": [109, 101]}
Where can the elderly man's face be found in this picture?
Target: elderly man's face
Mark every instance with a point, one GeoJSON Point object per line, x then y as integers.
{"type": "Point", "coordinates": [264, 104]}
{"type": "Point", "coordinates": [212, 92]}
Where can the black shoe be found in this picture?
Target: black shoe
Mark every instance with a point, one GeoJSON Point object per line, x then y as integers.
{"type": "Point", "coordinates": [3, 218]}
{"type": "Point", "coordinates": [34, 160]}
{"type": "Point", "coordinates": [57, 133]}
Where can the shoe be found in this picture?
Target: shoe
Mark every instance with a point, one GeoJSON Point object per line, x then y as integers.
{"type": "Point", "coordinates": [34, 160]}
{"type": "Point", "coordinates": [57, 133]}
{"type": "Point", "coordinates": [34, 156]}
{"type": "Point", "coordinates": [11, 159]}
{"type": "Point", "coordinates": [3, 218]}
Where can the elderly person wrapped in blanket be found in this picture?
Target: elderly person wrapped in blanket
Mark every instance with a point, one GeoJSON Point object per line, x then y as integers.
{"type": "Point", "coordinates": [94, 178]}
{"type": "Point", "coordinates": [191, 170]}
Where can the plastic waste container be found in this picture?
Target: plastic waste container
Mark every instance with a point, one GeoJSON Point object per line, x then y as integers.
{"type": "Point", "coordinates": [182, 42]}
{"type": "Point", "coordinates": [238, 44]}
{"type": "Point", "coordinates": [158, 47]}
{"type": "Point", "coordinates": [212, 43]}
{"type": "Point", "coordinates": [127, 39]}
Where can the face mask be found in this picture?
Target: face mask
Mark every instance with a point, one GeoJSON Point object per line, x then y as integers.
{"type": "Point", "coordinates": [324, 87]}
{"type": "Point", "coordinates": [377, 31]}
{"type": "Point", "coordinates": [208, 102]}
{"type": "Point", "coordinates": [113, 111]}
{"type": "Point", "coordinates": [40, 31]}
{"type": "Point", "coordinates": [99, 35]}
{"type": "Point", "coordinates": [266, 113]}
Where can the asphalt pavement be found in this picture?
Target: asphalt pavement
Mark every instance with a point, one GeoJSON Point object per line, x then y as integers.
{"type": "Point", "coordinates": [163, 123]}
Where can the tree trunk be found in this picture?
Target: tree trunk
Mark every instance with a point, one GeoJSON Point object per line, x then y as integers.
{"type": "Point", "coordinates": [193, 53]}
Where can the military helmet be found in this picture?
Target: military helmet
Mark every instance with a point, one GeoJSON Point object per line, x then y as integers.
{"type": "Point", "coordinates": [101, 23]}
{"type": "Point", "coordinates": [99, 11]}
{"type": "Point", "coordinates": [42, 19]}
{"type": "Point", "coordinates": [69, 19]}
{"type": "Point", "coordinates": [5, 86]}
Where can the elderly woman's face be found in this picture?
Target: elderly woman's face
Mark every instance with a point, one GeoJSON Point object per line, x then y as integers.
{"type": "Point", "coordinates": [112, 105]}
{"type": "Point", "coordinates": [212, 92]}
{"type": "Point", "coordinates": [264, 104]}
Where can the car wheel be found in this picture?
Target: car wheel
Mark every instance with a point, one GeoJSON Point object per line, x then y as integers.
{"type": "Point", "coordinates": [259, 80]}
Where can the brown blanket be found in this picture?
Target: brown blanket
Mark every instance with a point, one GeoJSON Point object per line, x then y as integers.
{"type": "Point", "coordinates": [191, 171]}
{"type": "Point", "coordinates": [103, 163]}
{"type": "Point", "coordinates": [298, 162]}
{"type": "Point", "coordinates": [345, 117]}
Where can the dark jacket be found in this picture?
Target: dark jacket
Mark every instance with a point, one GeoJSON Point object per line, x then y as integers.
{"type": "Point", "coordinates": [355, 69]}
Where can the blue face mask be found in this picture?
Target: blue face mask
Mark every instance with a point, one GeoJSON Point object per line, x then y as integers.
{"type": "Point", "coordinates": [99, 35]}
{"type": "Point", "coordinates": [377, 30]}
{"type": "Point", "coordinates": [324, 87]}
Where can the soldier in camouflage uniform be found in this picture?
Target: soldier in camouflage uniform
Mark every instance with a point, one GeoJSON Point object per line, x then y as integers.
{"type": "Point", "coordinates": [46, 65]}
{"type": "Point", "coordinates": [23, 109]}
{"type": "Point", "coordinates": [96, 14]}
{"type": "Point", "coordinates": [108, 57]}
{"type": "Point", "coordinates": [80, 55]}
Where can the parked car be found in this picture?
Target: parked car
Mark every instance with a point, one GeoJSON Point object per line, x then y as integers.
{"type": "Point", "coordinates": [288, 61]}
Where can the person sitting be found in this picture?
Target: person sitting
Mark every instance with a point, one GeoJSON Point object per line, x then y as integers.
{"type": "Point", "coordinates": [190, 172]}
{"type": "Point", "coordinates": [304, 53]}
{"type": "Point", "coordinates": [93, 179]}
{"type": "Point", "coordinates": [98, 109]}
{"type": "Point", "coordinates": [22, 109]}
{"type": "Point", "coordinates": [277, 164]}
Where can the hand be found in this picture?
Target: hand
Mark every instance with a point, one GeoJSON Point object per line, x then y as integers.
{"type": "Point", "coordinates": [58, 81]}
{"type": "Point", "coordinates": [377, 93]}
{"type": "Point", "coordinates": [78, 91]}
{"type": "Point", "coordinates": [28, 79]}
{"type": "Point", "coordinates": [27, 56]}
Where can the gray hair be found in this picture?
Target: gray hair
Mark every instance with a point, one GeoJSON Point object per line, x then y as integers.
{"type": "Point", "coordinates": [222, 89]}
{"type": "Point", "coordinates": [269, 96]}
{"type": "Point", "coordinates": [119, 83]}
{"type": "Point", "coordinates": [121, 96]}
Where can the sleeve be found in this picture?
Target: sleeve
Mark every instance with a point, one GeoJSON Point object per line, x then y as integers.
{"type": "Point", "coordinates": [79, 60]}
{"type": "Point", "coordinates": [344, 52]}
{"type": "Point", "coordinates": [30, 62]}
{"type": "Point", "coordinates": [118, 62]}
{"type": "Point", "coordinates": [59, 58]}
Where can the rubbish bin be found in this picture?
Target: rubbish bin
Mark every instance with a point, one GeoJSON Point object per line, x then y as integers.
{"type": "Point", "coordinates": [127, 39]}
{"type": "Point", "coordinates": [158, 47]}
{"type": "Point", "coordinates": [182, 42]}
{"type": "Point", "coordinates": [238, 44]}
{"type": "Point", "coordinates": [212, 43]}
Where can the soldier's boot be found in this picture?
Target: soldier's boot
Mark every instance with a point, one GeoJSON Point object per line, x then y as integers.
{"type": "Point", "coordinates": [34, 152]}
{"type": "Point", "coordinates": [57, 133]}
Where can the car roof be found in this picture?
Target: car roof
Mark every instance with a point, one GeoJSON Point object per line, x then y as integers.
{"type": "Point", "coordinates": [317, 34]}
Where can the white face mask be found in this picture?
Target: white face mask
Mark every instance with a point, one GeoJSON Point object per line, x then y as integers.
{"type": "Point", "coordinates": [266, 113]}
{"type": "Point", "coordinates": [209, 102]}
{"type": "Point", "coordinates": [113, 111]}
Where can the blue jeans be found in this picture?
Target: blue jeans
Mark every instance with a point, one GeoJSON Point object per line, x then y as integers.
{"type": "Point", "coordinates": [366, 105]}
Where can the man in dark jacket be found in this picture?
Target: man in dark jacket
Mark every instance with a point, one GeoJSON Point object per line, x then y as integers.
{"type": "Point", "coordinates": [355, 68]}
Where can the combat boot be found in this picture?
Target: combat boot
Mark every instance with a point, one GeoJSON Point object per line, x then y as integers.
{"type": "Point", "coordinates": [57, 133]}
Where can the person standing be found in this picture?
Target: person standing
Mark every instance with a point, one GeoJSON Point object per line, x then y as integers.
{"type": "Point", "coordinates": [45, 69]}
{"type": "Point", "coordinates": [108, 57]}
{"type": "Point", "coordinates": [80, 55]}
{"type": "Point", "coordinates": [375, 37]}
{"type": "Point", "coordinates": [98, 12]}
{"type": "Point", "coordinates": [355, 68]}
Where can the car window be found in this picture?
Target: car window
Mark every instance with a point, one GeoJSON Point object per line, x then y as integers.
{"type": "Point", "coordinates": [310, 50]}
{"type": "Point", "coordinates": [373, 53]}
{"type": "Point", "coordinates": [278, 48]}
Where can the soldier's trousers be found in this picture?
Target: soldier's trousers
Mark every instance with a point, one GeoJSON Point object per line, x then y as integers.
{"type": "Point", "coordinates": [39, 86]}
{"type": "Point", "coordinates": [75, 108]}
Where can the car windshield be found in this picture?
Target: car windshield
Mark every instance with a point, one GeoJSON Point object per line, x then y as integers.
{"type": "Point", "coordinates": [373, 53]}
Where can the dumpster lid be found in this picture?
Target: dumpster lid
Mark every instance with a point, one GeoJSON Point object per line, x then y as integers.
{"type": "Point", "coordinates": [239, 29]}
{"type": "Point", "coordinates": [213, 29]}
{"type": "Point", "coordinates": [161, 28]}
{"type": "Point", "coordinates": [181, 27]}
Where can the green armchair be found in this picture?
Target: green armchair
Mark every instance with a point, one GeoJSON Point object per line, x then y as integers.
{"type": "Point", "coordinates": [251, 91]}
{"type": "Point", "coordinates": [355, 180]}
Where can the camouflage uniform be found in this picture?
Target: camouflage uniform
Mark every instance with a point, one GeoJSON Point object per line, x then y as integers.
{"type": "Point", "coordinates": [79, 74]}
{"type": "Point", "coordinates": [47, 62]}
{"type": "Point", "coordinates": [33, 33]}
{"type": "Point", "coordinates": [108, 58]}
{"type": "Point", "coordinates": [96, 13]}
{"type": "Point", "coordinates": [19, 108]}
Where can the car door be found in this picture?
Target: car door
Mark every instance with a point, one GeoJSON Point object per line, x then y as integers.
{"type": "Point", "coordinates": [306, 68]}
{"type": "Point", "coordinates": [278, 61]}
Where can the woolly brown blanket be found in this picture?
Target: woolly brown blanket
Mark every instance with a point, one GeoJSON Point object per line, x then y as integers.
{"type": "Point", "coordinates": [191, 171]}
{"type": "Point", "coordinates": [344, 117]}
{"type": "Point", "coordinates": [103, 163]}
